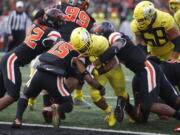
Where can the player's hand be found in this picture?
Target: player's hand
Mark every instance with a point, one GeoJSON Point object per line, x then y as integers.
{"type": "Point", "coordinates": [90, 68]}
{"type": "Point", "coordinates": [10, 38]}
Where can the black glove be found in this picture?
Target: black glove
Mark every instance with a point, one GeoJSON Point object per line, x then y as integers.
{"type": "Point", "coordinates": [102, 90]}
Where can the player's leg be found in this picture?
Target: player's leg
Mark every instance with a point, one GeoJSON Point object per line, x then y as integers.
{"type": "Point", "coordinates": [79, 99]}
{"type": "Point", "coordinates": [117, 81]}
{"type": "Point", "coordinates": [60, 89]}
{"type": "Point", "coordinates": [33, 65]}
{"type": "Point", "coordinates": [100, 101]}
{"type": "Point", "coordinates": [32, 89]}
{"type": "Point", "coordinates": [11, 79]}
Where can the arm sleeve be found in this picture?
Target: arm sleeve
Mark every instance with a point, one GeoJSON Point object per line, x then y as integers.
{"type": "Point", "coordinates": [10, 19]}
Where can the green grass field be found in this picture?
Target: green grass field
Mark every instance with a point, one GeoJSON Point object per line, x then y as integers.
{"type": "Point", "coordinates": [93, 117]}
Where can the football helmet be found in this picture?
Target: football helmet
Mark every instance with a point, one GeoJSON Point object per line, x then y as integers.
{"type": "Point", "coordinates": [53, 17]}
{"type": "Point", "coordinates": [80, 39]}
{"type": "Point", "coordinates": [82, 4]}
{"type": "Point", "coordinates": [144, 13]}
{"type": "Point", "coordinates": [104, 28]}
{"type": "Point", "coordinates": [98, 45]}
{"type": "Point", "coordinates": [174, 5]}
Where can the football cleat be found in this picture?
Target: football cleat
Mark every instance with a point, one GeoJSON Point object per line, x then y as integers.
{"type": "Point", "coordinates": [17, 123]}
{"type": "Point", "coordinates": [55, 115]}
{"type": "Point", "coordinates": [177, 129]}
{"type": "Point", "coordinates": [119, 110]}
{"type": "Point", "coordinates": [82, 103]}
{"type": "Point", "coordinates": [111, 119]}
{"type": "Point", "coordinates": [47, 114]}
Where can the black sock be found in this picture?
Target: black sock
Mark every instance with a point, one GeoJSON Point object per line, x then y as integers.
{"type": "Point", "coordinates": [21, 107]}
{"type": "Point", "coordinates": [176, 115]}
{"type": "Point", "coordinates": [47, 100]}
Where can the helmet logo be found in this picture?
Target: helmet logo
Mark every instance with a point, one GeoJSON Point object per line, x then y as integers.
{"type": "Point", "coordinates": [85, 37]}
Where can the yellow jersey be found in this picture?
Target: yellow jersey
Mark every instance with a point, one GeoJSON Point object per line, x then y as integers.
{"type": "Point", "coordinates": [177, 18]}
{"type": "Point", "coordinates": [155, 37]}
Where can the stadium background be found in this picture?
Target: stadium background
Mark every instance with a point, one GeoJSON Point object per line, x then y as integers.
{"type": "Point", "coordinates": [120, 13]}
{"type": "Point", "coordinates": [117, 11]}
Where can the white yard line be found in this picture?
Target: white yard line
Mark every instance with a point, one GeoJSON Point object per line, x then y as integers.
{"type": "Point", "coordinates": [90, 129]}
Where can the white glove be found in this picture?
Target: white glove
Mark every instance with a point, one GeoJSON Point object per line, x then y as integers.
{"type": "Point", "coordinates": [90, 68]}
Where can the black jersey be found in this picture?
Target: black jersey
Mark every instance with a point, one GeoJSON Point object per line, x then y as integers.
{"type": "Point", "coordinates": [35, 43]}
{"type": "Point", "coordinates": [59, 57]}
{"type": "Point", "coordinates": [129, 54]}
{"type": "Point", "coordinates": [75, 17]}
{"type": "Point", "coordinates": [171, 70]}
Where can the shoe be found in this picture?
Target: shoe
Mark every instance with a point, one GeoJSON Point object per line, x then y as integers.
{"type": "Point", "coordinates": [17, 123]}
{"type": "Point", "coordinates": [47, 114]}
{"type": "Point", "coordinates": [82, 103]}
{"type": "Point", "coordinates": [55, 115]}
{"type": "Point", "coordinates": [130, 119]}
{"type": "Point", "coordinates": [177, 129]}
{"type": "Point", "coordinates": [111, 119]}
{"type": "Point", "coordinates": [119, 110]}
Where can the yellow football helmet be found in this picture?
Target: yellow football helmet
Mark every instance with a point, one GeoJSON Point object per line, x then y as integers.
{"type": "Point", "coordinates": [80, 39]}
{"type": "Point", "coordinates": [98, 46]}
{"type": "Point", "coordinates": [144, 13]}
{"type": "Point", "coordinates": [174, 5]}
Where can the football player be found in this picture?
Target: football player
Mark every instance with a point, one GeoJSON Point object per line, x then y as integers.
{"type": "Point", "coordinates": [76, 16]}
{"type": "Point", "coordinates": [113, 77]}
{"type": "Point", "coordinates": [58, 74]}
{"type": "Point", "coordinates": [40, 38]}
{"type": "Point", "coordinates": [174, 6]}
{"type": "Point", "coordinates": [151, 81]}
{"type": "Point", "coordinates": [157, 29]}
{"type": "Point", "coordinates": [98, 45]}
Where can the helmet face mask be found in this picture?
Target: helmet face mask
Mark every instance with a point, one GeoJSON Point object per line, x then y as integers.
{"type": "Point", "coordinates": [144, 13]}
{"type": "Point", "coordinates": [174, 5]}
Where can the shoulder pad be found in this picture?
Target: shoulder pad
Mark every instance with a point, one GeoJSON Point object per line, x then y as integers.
{"type": "Point", "coordinates": [114, 37]}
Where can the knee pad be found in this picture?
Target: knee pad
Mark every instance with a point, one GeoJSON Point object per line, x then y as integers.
{"type": "Point", "coordinates": [95, 95]}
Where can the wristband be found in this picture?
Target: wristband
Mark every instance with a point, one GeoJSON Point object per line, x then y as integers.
{"type": "Point", "coordinates": [84, 73]}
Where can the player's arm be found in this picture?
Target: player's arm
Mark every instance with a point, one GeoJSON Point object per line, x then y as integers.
{"type": "Point", "coordinates": [51, 38]}
{"type": "Point", "coordinates": [86, 75]}
{"type": "Point", "coordinates": [174, 35]}
{"type": "Point", "coordinates": [110, 65]}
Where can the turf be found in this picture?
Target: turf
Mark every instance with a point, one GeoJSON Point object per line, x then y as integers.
{"type": "Point", "coordinates": [93, 117]}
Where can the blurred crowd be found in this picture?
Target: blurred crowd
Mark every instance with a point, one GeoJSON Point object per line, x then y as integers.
{"type": "Point", "coordinates": [118, 11]}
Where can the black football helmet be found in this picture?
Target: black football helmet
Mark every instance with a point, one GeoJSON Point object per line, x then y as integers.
{"type": "Point", "coordinates": [104, 28]}
{"type": "Point", "coordinates": [82, 4]}
{"type": "Point", "coordinates": [54, 18]}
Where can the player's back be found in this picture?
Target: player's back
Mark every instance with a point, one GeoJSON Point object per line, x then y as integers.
{"type": "Point", "coordinates": [59, 56]}
{"type": "Point", "coordinates": [34, 43]}
{"type": "Point", "coordinates": [129, 54]}
{"type": "Point", "coordinates": [75, 17]}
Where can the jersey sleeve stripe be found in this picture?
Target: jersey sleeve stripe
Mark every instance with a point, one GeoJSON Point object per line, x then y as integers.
{"type": "Point", "coordinates": [61, 88]}
{"type": "Point", "coordinates": [151, 77]}
{"type": "Point", "coordinates": [10, 67]}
